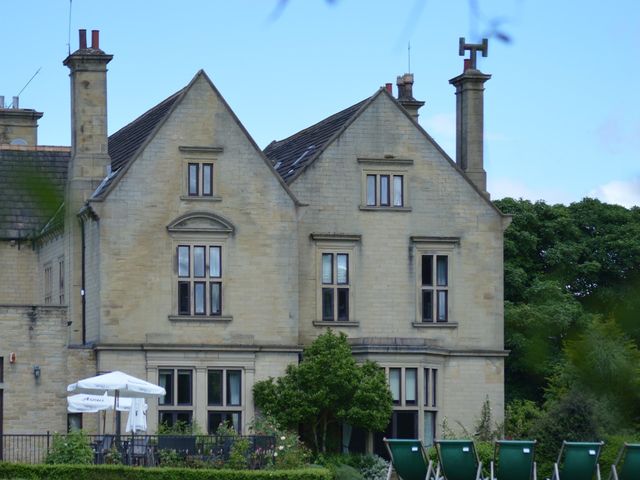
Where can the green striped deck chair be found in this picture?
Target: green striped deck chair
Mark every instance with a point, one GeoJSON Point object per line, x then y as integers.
{"type": "Point", "coordinates": [408, 459]}
{"type": "Point", "coordinates": [577, 461]}
{"type": "Point", "coordinates": [514, 460]}
{"type": "Point", "coordinates": [458, 460]}
{"type": "Point", "coordinates": [627, 465]}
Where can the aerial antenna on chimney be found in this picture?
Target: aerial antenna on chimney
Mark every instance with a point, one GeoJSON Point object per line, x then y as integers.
{"type": "Point", "coordinates": [69, 33]}
{"type": "Point", "coordinates": [23, 88]}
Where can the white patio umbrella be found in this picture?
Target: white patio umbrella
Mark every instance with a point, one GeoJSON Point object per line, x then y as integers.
{"type": "Point", "coordinates": [137, 419]}
{"type": "Point", "coordinates": [87, 403]}
{"type": "Point", "coordinates": [118, 384]}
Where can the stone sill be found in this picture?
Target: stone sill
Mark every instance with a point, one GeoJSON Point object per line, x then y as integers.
{"type": "Point", "coordinates": [366, 208]}
{"type": "Point", "coordinates": [201, 198]}
{"type": "Point", "coordinates": [435, 324]}
{"type": "Point", "coordinates": [201, 318]}
{"type": "Point", "coordinates": [318, 323]}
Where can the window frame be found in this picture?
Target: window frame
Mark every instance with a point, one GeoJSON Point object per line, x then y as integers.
{"type": "Point", "coordinates": [173, 407]}
{"type": "Point", "coordinates": [61, 280]}
{"type": "Point", "coordinates": [225, 407]}
{"type": "Point", "coordinates": [207, 162]}
{"type": "Point", "coordinates": [426, 396]}
{"type": "Point", "coordinates": [388, 168]}
{"type": "Point", "coordinates": [435, 247]}
{"type": "Point", "coordinates": [336, 244]}
{"type": "Point", "coordinates": [48, 283]}
{"type": "Point", "coordinates": [193, 284]}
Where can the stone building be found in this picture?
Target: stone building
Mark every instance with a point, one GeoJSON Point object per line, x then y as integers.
{"type": "Point", "coordinates": [178, 251]}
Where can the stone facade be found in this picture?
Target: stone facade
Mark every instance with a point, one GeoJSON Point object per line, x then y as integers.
{"type": "Point", "coordinates": [193, 262]}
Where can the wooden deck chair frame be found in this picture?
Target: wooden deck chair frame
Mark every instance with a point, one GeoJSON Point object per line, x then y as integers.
{"type": "Point", "coordinates": [439, 468]}
{"type": "Point", "coordinates": [496, 448]}
{"type": "Point", "coordinates": [418, 445]}
{"type": "Point", "coordinates": [621, 455]}
{"type": "Point", "coordinates": [556, 469]}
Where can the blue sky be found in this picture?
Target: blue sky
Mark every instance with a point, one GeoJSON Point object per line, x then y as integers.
{"type": "Point", "coordinates": [562, 111]}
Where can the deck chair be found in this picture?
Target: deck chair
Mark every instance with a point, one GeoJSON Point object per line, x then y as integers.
{"type": "Point", "coordinates": [514, 460]}
{"type": "Point", "coordinates": [627, 465]}
{"type": "Point", "coordinates": [458, 460]}
{"type": "Point", "coordinates": [577, 461]}
{"type": "Point", "coordinates": [408, 459]}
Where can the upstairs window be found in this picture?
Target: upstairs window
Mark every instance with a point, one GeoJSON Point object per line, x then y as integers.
{"type": "Point", "coordinates": [200, 179]}
{"type": "Point", "coordinates": [48, 283]}
{"type": "Point", "coordinates": [435, 288]}
{"type": "Point", "coordinates": [199, 279]}
{"type": "Point", "coordinates": [61, 280]}
{"type": "Point", "coordinates": [385, 190]}
{"type": "Point", "coordinates": [335, 287]}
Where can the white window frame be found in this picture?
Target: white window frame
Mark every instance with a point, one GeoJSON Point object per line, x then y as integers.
{"type": "Point", "coordinates": [201, 156]}
{"type": "Point", "coordinates": [48, 283]}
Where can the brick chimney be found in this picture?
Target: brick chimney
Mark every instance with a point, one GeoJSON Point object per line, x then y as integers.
{"type": "Point", "coordinates": [87, 168]}
{"type": "Point", "coordinates": [470, 115]}
{"type": "Point", "coordinates": [18, 126]}
{"type": "Point", "coordinates": [405, 95]}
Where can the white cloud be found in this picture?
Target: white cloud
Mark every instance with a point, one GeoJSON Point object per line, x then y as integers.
{"type": "Point", "coordinates": [622, 192]}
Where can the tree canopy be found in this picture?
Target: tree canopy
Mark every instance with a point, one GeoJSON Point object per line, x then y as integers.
{"type": "Point", "coordinates": [328, 386]}
{"type": "Point", "coordinates": [572, 306]}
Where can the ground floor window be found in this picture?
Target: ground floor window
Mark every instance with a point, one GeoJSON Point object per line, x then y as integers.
{"type": "Point", "coordinates": [224, 398]}
{"type": "Point", "coordinates": [74, 422]}
{"type": "Point", "coordinates": [177, 404]}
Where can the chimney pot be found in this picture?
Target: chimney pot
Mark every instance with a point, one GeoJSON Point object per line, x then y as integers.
{"type": "Point", "coordinates": [467, 64]}
{"type": "Point", "coordinates": [389, 87]}
{"type": "Point", "coordinates": [1, 101]}
{"type": "Point", "coordinates": [16, 102]}
{"type": "Point", "coordinates": [83, 38]}
{"type": "Point", "coordinates": [95, 39]}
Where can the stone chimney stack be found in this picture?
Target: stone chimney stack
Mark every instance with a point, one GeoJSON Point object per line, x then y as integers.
{"type": "Point", "coordinates": [88, 66]}
{"type": "Point", "coordinates": [470, 115]}
{"type": "Point", "coordinates": [405, 95]}
{"type": "Point", "coordinates": [18, 126]}
{"type": "Point", "coordinates": [88, 167]}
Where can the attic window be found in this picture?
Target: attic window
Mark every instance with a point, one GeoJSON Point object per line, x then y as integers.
{"type": "Point", "coordinates": [200, 179]}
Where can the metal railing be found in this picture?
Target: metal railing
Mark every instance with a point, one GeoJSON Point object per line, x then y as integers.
{"type": "Point", "coordinates": [203, 451]}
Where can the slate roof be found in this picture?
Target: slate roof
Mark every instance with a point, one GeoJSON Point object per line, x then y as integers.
{"type": "Point", "coordinates": [32, 182]}
{"type": "Point", "coordinates": [124, 143]}
{"type": "Point", "coordinates": [291, 155]}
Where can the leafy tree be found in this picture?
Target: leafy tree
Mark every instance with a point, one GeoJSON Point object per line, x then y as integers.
{"type": "Point", "coordinates": [564, 266]}
{"type": "Point", "coordinates": [327, 387]}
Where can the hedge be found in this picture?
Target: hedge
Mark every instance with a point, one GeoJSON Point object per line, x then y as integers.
{"type": "Point", "coordinates": [118, 472]}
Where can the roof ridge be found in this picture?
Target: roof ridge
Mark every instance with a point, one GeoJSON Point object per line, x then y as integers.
{"type": "Point", "coordinates": [324, 120]}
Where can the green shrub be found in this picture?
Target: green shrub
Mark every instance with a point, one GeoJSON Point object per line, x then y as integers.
{"type": "Point", "coordinates": [346, 472]}
{"type": "Point", "coordinates": [520, 418]}
{"type": "Point", "coordinates": [238, 456]}
{"type": "Point", "coordinates": [72, 448]}
{"type": "Point", "coordinates": [120, 472]}
{"type": "Point", "coordinates": [290, 452]}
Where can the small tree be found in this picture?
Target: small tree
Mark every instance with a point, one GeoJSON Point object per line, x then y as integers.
{"type": "Point", "coordinates": [328, 386]}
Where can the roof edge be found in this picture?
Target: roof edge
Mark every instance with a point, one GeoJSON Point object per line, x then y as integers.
{"type": "Point", "coordinates": [340, 131]}
{"type": "Point", "coordinates": [235, 118]}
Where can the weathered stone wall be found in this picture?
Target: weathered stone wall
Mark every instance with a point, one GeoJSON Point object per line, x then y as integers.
{"type": "Point", "coordinates": [38, 336]}
{"type": "Point", "coordinates": [138, 277]}
{"type": "Point", "coordinates": [18, 274]}
{"type": "Point", "coordinates": [384, 271]}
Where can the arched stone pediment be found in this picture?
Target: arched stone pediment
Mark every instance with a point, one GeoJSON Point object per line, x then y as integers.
{"type": "Point", "coordinates": [201, 222]}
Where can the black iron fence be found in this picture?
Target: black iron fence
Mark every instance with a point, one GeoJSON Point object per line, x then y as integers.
{"type": "Point", "coordinates": [213, 451]}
